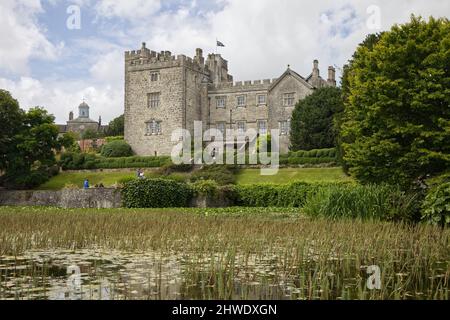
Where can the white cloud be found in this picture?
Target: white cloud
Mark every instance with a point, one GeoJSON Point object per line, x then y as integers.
{"type": "Point", "coordinates": [261, 38]}
{"type": "Point", "coordinates": [59, 98]}
{"type": "Point", "coordinates": [127, 9]}
{"type": "Point", "coordinates": [21, 38]}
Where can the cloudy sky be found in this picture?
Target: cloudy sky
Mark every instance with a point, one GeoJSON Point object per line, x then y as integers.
{"type": "Point", "coordinates": [46, 60]}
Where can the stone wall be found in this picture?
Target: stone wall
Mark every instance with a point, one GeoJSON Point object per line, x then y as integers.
{"type": "Point", "coordinates": [67, 198]}
{"type": "Point", "coordinates": [79, 198]}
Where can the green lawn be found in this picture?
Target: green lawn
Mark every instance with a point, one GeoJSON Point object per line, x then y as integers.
{"type": "Point", "coordinates": [246, 176]}
{"type": "Point", "coordinates": [288, 175]}
{"type": "Point", "coordinates": [107, 178]}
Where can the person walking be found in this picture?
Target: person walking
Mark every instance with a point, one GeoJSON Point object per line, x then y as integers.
{"type": "Point", "coordinates": [86, 184]}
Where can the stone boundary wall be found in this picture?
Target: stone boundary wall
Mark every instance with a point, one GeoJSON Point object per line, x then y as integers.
{"type": "Point", "coordinates": [67, 198]}
{"type": "Point", "coordinates": [79, 198]}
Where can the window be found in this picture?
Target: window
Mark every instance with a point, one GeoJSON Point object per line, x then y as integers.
{"type": "Point", "coordinates": [285, 127]}
{"type": "Point", "coordinates": [154, 76]}
{"type": "Point", "coordinates": [261, 99]}
{"type": "Point", "coordinates": [262, 126]}
{"type": "Point", "coordinates": [153, 100]}
{"type": "Point", "coordinates": [241, 101]}
{"type": "Point", "coordinates": [221, 102]}
{"type": "Point", "coordinates": [241, 127]}
{"type": "Point", "coordinates": [221, 127]}
{"type": "Point", "coordinates": [153, 127]}
{"type": "Point", "coordinates": [289, 99]}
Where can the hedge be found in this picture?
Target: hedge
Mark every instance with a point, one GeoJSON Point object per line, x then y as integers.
{"type": "Point", "coordinates": [273, 195]}
{"type": "Point", "coordinates": [116, 149]}
{"type": "Point", "coordinates": [79, 161]}
{"type": "Point", "coordinates": [156, 193]}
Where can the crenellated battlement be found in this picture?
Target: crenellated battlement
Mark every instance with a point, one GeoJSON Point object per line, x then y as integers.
{"type": "Point", "coordinates": [244, 85]}
{"type": "Point", "coordinates": [163, 59]}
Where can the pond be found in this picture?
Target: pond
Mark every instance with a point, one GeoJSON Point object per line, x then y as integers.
{"type": "Point", "coordinates": [100, 274]}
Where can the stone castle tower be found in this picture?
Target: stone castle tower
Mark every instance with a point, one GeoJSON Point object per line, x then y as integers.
{"type": "Point", "coordinates": [165, 92]}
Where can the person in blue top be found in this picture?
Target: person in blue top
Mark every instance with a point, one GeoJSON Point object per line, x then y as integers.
{"type": "Point", "coordinates": [86, 184]}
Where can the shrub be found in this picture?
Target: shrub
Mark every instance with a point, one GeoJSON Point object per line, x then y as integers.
{"type": "Point", "coordinates": [113, 138]}
{"type": "Point", "coordinates": [156, 193]}
{"type": "Point", "coordinates": [380, 202]}
{"type": "Point", "coordinates": [222, 174]}
{"type": "Point", "coordinates": [116, 149]}
{"type": "Point", "coordinates": [170, 168]}
{"type": "Point", "coordinates": [208, 188]}
{"type": "Point", "coordinates": [436, 206]}
{"type": "Point", "coordinates": [273, 195]}
{"type": "Point", "coordinates": [77, 161]}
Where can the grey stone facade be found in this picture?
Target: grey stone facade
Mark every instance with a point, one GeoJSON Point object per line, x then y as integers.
{"type": "Point", "coordinates": [165, 92]}
{"type": "Point", "coordinates": [82, 123]}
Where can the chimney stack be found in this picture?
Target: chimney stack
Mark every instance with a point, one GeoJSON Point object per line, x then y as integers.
{"type": "Point", "coordinates": [332, 75]}
{"type": "Point", "coordinates": [316, 71]}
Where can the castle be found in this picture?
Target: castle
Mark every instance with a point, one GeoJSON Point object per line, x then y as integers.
{"type": "Point", "coordinates": [164, 93]}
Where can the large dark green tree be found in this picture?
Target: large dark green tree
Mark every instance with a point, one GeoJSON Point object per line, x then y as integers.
{"type": "Point", "coordinates": [396, 123]}
{"type": "Point", "coordinates": [28, 146]}
{"type": "Point", "coordinates": [312, 125]}
{"type": "Point", "coordinates": [116, 127]}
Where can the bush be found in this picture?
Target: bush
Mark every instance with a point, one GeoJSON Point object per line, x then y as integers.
{"type": "Point", "coordinates": [77, 161]}
{"type": "Point", "coordinates": [273, 195]}
{"type": "Point", "coordinates": [116, 149]}
{"type": "Point", "coordinates": [113, 138]}
{"type": "Point", "coordinates": [156, 193]}
{"type": "Point", "coordinates": [436, 206]}
{"type": "Point", "coordinates": [170, 168]}
{"type": "Point", "coordinates": [208, 188]}
{"type": "Point", "coordinates": [380, 202]}
{"type": "Point", "coordinates": [222, 174]}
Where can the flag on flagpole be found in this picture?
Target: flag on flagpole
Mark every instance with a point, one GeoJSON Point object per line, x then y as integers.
{"type": "Point", "coordinates": [220, 44]}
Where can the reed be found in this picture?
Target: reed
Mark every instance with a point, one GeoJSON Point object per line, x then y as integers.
{"type": "Point", "coordinates": [235, 253]}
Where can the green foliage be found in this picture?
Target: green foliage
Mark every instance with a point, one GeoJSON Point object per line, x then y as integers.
{"type": "Point", "coordinates": [113, 138]}
{"type": "Point", "coordinates": [11, 118]}
{"type": "Point", "coordinates": [90, 134]}
{"type": "Point", "coordinates": [312, 125]}
{"type": "Point", "coordinates": [156, 193]}
{"type": "Point", "coordinates": [77, 161]}
{"type": "Point", "coordinates": [171, 168]}
{"type": "Point", "coordinates": [116, 127]}
{"type": "Point", "coordinates": [395, 127]}
{"type": "Point", "coordinates": [208, 188]}
{"type": "Point", "coordinates": [378, 202]}
{"type": "Point", "coordinates": [264, 142]}
{"type": "Point", "coordinates": [222, 174]}
{"type": "Point", "coordinates": [27, 143]}
{"type": "Point", "coordinates": [436, 206]}
{"type": "Point", "coordinates": [117, 149]}
{"type": "Point", "coordinates": [274, 195]}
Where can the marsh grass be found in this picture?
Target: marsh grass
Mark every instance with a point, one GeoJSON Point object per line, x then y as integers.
{"type": "Point", "coordinates": [234, 253]}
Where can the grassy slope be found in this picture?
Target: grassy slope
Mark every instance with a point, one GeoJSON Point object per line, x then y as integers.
{"type": "Point", "coordinates": [287, 175]}
{"type": "Point", "coordinates": [246, 176]}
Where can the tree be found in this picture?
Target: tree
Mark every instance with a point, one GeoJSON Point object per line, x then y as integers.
{"type": "Point", "coordinates": [116, 127]}
{"type": "Point", "coordinates": [396, 122]}
{"type": "Point", "coordinates": [312, 120]}
{"type": "Point", "coordinates": [11, 119]}
{"type": "Point", "coordinates": [28, 144]}
{"type": "Point", "coordinates": [89, 134]}
{"type": "Point", "coordinates": [369, 42]}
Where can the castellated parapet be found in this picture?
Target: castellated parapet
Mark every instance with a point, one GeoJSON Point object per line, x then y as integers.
{"type": "Point", "coordinates": [164, 92]}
